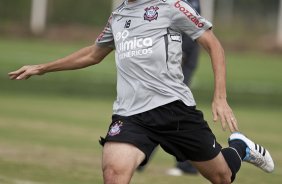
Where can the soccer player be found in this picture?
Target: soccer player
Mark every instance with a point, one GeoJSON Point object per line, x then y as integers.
{"type": "Point", "coordinates": [153, 106]}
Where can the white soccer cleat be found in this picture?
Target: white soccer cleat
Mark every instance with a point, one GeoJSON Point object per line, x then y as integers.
{"type": "Point", "coordinates": [255, 154]}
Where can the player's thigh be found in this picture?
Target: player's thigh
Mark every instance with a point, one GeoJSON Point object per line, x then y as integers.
{"type": "Point", "coordinates": [215, 169]}
{"type": "Point", "coordinates": [121, 156]}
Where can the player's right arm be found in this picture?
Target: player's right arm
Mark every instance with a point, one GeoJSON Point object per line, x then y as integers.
{"type": "Point", "coordinates": [83, 58]}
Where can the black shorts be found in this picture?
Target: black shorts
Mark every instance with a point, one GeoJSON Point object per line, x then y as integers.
{"type": "Point", "coordinates": [180, 130]}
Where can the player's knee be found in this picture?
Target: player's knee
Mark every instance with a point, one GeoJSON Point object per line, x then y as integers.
{"type": "Point", "coordinates": [222, 178]}
{"type": "Point", "coordinates": [110, 174]}
{"type": "Point", "coordinates": [113, 173]}
{"type": "Point", "coordinates": [112, 170]}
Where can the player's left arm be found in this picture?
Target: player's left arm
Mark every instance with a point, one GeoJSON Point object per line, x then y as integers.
{"type": "Point", "coordinates": [220, 108]}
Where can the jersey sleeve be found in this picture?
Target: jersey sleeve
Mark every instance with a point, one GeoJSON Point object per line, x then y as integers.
{"type": "Point", "coordinates": [106, 38]}
{"type": "Point", "coordinates": [185, 19]}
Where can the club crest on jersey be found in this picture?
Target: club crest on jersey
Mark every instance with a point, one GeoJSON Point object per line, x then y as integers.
{"type": "Point", "coordinates": [115, 128]}
{"type": "Point", "coordinates": [151, 13]}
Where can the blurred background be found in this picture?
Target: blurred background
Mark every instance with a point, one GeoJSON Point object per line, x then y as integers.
{"type": "Point", "coordinates": [50, 124]}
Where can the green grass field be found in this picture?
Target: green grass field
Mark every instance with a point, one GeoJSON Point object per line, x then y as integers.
{"type": "Point", "coordinates": [50, 125]}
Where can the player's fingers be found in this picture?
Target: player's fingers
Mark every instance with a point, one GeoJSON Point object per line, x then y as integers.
{"type": "Point", "coordinates": [15, 74]}
{"type": "Point", "coordinates": [234, 123]}
{"type": "Point", "coordinates": [23, 76]}
{"type": "Point", "coordinates": [12, 77]}
{"type": "Point", "coordinates": [230, 124]}
{"type": "Point", "coordinates": [223, 122]}
{"type": "Point", "coordinates": [215, 117]}
{"type": "Point", "coordinates": [19, 71]}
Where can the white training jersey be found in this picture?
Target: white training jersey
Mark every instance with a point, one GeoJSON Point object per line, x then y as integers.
{"type": "Point", "coordinates": [146, 36]}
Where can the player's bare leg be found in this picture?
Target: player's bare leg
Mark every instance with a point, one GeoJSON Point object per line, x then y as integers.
{"type": "Point", "coordinates": [120, 160]}
{"type": "Point", "coordinates": [215, 170]}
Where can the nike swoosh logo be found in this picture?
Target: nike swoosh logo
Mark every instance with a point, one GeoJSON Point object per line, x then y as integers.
{"type": "Point", "coordinates": [213, 143]}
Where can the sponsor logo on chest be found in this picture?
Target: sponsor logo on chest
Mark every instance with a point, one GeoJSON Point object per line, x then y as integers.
{"type": "Point", "coordinates": [127, 46]}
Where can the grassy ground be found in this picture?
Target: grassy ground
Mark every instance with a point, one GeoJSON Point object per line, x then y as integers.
{"type": "Point", "coordinates": [50, 125]}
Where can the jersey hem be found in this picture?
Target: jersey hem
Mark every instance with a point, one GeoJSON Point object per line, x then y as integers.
{"type": "Point", "coordinates": [153, 107]}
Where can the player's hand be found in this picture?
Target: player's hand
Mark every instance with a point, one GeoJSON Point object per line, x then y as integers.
{"type": "Point", "coordinates": [25, 72]}
{"type": "Point", "coordinates": [221, 111]}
